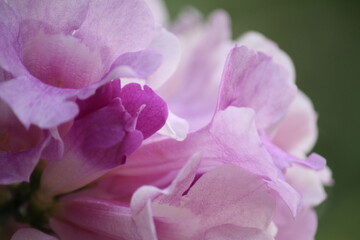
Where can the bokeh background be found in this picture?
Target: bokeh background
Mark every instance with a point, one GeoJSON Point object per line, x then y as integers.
{"type": "Point", "coordinates": [323, 39]}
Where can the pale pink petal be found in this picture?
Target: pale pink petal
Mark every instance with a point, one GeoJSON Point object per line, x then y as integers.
{"type": "Point", "coordinates": [192, 90]}
{"type": "Point", "coordinates": [31, 234]}
{"type": "Point", "coordinates": [308, 183]}
{"type": "Point", "coordinates": [159, 11]}
{"type": "Point", "coordinates": [168, 45]}
{"type": "Point", "coordinates": [221, 142]}
{"type": "Point", "coordinates": [61, 61]}
{"type": "Point", "coordinates": [33, 102]}
{"type": "Point", "coordinates": [9, 47]}
{"type": "Point", "coordinates": [57, 17]}
{"type": "Point", "coordinates": [116, 27]}
{"type": "Point", "coordinates": [283, 159]}
{"type": "Point", "coordinates": [256, 41]}
{"type": "Point", "coordinates": [180, 213]}
{"type": "Point", "coordinates": [175, 127]}
{"type": "Point", "coordinates": [303, 227]}
{"type": "Point", "coordinates": [297, 132]}
{"type": "Point", "coordinates": [251, 79]}
{"type": "Point", "coordinates": [143, 63]}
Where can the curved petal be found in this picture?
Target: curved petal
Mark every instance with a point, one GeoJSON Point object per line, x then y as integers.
{"type": "Point", "coordinates": [303, 227]}
{"type": "Point", "coordinates": [16, 167]}
{"type": "Point", "coordinates": [175, 127]}
{"type": "Point", "coordinates": [166, 43]}
{"type": "Point", "coordinates": [297, 132]}
{"type": "Point", "coordinates": [159, 11]}
{"type": "Point", "coordinates": [50, 17]}
{"type": "Point", "coordinates": [153, 110]}
{"type": "Point", "coordinates": [192, 90]}
{"type": "Point", "coordinates": [36, 103]}
{"type": "Point", "coordinates": [96, 143]}
{"type": "Point", "coordinates": [104, 217]}
{"type": "Point", "coordinates": [257, 41]}
{"type": "Point", "coordinates": [251, 79]}
{"type": "Point", "coordinates": [117, 27]}
{"type": "Point", "coordinates": [9, 46]}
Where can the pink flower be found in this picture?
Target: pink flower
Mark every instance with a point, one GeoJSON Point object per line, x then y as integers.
{"type": "Point", "coordinates": [224, 156]}
{"type": "Point", "coordinates": [54, 53]}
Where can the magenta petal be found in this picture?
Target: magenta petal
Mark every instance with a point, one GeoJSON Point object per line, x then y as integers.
{"type": "Point", "coordinates": [153, 110]}
{"type": "Point", "coordinates": [17, 166]}
{"type": "Point", "coordinates": [36, 103]}
{"type": "Point", "coordinates": [96, 143]}
{"type": "Point", "coordinates": [31, 234]}
{"type": "Point", "coordinates": [104, 217]}
{"type": "Point", "coordinates": [251, 79]}
{"type": "Point", "coordinates": [117, 27]}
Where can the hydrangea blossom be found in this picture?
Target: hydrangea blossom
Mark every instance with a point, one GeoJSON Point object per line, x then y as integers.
{"type": "Point", "coordinates": [121, 138]}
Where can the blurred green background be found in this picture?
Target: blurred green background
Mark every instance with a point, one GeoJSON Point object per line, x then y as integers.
{"type": "Point", "coordinates": [323, 39]}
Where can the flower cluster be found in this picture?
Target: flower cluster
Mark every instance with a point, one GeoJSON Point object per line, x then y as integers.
{"type": "Point", "coordinates": [118, 124]}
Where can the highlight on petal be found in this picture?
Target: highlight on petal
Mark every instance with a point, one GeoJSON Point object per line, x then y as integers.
{"type": "Point", "coordinates": [175, 127]}
{"type": "Point", "coordinates": [169, 46]}
{"type": "Point", "coordinates": [199, 67]}
{"type": "Point", "coordinates": [297, 132]}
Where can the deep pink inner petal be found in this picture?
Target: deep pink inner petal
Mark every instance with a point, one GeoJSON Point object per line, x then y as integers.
{"type": "Point", "coordinates": [62, 61]}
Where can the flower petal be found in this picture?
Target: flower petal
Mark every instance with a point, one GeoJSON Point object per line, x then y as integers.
{"type": "Point", "coordinates": [153, 113]}
{"type": "Point", "coordinates": [9, 46]}
{"type": "Point", "coordinates": [16, 167]}
{"type": "Point", "coordinates": [57, 17]}
{"type": "Point", "coordinates": [117, 27]}
{"type": "Point", "coordinates": [33, 102]}
{"type": "Point", "coordinates": [251, 79]}
{"type": "Point", "coordinates": [258, 42]}
{"type": "Point", "coordinates": [104, 217]}
{"type": "Point", "coordinates": [166, 43]}
{"type": "Point", "coordinates": [96, 143]}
